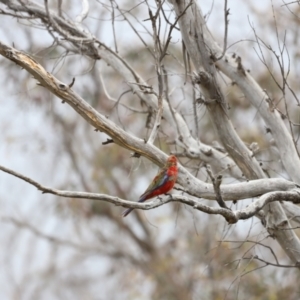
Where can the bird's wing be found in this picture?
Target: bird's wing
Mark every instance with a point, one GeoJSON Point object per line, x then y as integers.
{"type": "Point", "coordinates": [159, 180]}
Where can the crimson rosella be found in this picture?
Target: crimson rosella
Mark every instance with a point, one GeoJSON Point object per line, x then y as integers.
{"type": "Point", "coordinates": [162, 183]}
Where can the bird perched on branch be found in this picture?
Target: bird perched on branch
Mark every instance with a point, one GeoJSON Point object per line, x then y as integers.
{"type": "Point", "coordinates": [162, 183]}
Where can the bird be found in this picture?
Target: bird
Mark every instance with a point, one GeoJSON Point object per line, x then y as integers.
{"type": "Point", "coordinates": [162, 183]}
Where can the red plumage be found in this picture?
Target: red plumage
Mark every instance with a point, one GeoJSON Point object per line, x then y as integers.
{"type": "Point", "coordinates": [162, 183]}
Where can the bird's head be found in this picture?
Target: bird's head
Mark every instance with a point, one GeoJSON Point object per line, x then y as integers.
{"type": "Point", "coordinates": [172, 161]}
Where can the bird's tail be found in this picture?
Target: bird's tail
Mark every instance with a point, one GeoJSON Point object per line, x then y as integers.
{"type": "Point", "coordinates": [129, 210]}
{"type": "Point", "coordinates": [126, 212]}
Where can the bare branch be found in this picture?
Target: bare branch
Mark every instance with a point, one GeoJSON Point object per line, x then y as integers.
{"type": "Point", "coordinates": [219, 162]}
{"type": "Point", "coordinates": [108, 141]}
{"type": "Point", "coordinates": [113, 25]}
{"type": "Point", "coordinates": [84, 11]}
{"type": "Point", "coordinates": [230, 216]}
{"type": "Point", "coordinates": [258, 98]}
{"type": "Point", "coordinates": [63, 32]}
{"type": "Point", "coordinates": [216, 184]}
{"type": "Point", "coordinates": [226, 21]}
{"type": "Point", "coordinates": [158, 66]}
{"type": "Point", "coordinates": [203, 49]}
{"type": "Point", "coordinates": [126, 140]}
{"type": "Point", "coordinates": [255, 243]}
{"type": "Point", "coordinates": [255, 257]}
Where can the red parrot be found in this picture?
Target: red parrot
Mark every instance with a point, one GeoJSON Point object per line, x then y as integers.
{"type": "Point", "coordinates": [162, 183]}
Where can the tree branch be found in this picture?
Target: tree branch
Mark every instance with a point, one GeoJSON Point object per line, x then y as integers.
{"type": "Point", "coordinates": [259, 99]}
{"type": "Point", "coordinates": [230, 216]}
{"type": "Point", "coordinates": [219, 162]}
{"type": "Point", "coordinates": [202, 50]}
{"type": "Point", "coordinates": [216, 181]}
{"type": "Point", "coordinates": [124, 139]}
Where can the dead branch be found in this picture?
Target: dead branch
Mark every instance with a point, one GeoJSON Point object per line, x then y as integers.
{"type": "Point", "coordinates": [230, 216]}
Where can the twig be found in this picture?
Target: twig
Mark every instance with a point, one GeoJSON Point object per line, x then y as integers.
{"type": "Point", "coordinates": [216, 181]}
{"type": "Point", "coordinates": [64, 33]}
{"type": "Point", "coordinates": [164, 50]}
{"type": "Point", "coordinates": [256, 243]}
{"type": "Point", "coordinates": [255, 257]}
{"type": "Point", "coordinates": [226, 14]}
{"type": "Point", "coordinates": [84, 11]}
{"type": "Point", "coordinates": [108, 141]}
{"type": "Point", "coordinates": [113, 24]}
{"type": "Point", "coordinates": [59, 4]}
{"type": "Point", "coordinates": [158, 66]}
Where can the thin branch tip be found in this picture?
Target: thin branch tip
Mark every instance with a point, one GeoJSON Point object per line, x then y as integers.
{"type": "Point", "coordinates": [108, 141]}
